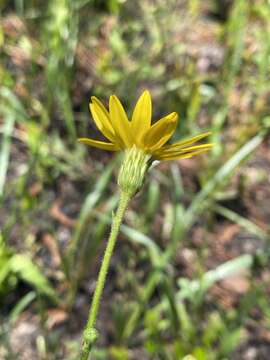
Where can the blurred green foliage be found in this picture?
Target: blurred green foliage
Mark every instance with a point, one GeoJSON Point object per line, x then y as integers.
{"type": "Point", "coordinates": [207, 60]}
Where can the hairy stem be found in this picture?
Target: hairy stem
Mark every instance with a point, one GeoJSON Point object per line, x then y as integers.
{"type": "Point", "coordinates": [90, 333]}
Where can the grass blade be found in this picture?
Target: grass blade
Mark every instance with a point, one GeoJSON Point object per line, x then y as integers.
{"type": "Point", "coordinates": [5, 150]}
{"type": "Point", "coordinates": [200, 201]}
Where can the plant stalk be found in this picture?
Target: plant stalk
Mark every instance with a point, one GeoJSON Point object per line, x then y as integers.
{"type": "Point", "coordinates": [90, 334]}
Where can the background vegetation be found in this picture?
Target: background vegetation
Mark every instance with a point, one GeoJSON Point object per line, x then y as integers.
{"type": "Point", "coordinates": [190, 273]}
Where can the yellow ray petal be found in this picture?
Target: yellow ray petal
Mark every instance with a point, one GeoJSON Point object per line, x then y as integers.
{"type": "Point", "coordinates": [99, 144]}
{"type": "Point", "coordinates": [101, 118]}
{"type": "Point", "coordinates": [171, 151]}
{"type": "Point", "coordinates": [107, 120]}
{"type": "Point", "coordinates": [142, 114]}
{"type": "Point", "coordinates": [184, 143]}
{"type": "Point", "coordinates": [120, 122]}
{"type": "Point", "coordinates": [160, 132]}
{"type": "Point", "coordinates": [181, 155]}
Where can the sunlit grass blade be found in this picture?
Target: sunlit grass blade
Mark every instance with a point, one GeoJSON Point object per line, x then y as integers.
{"type": "Point", "coordinates": [221, 176]}
{"type": "Point", "coordinates": [21, 305]}
{"type": "Point", "coordinates": [5, 149]}
{"type": "Point", "coordinates": [139, 238]}
{"type": "Point", "coordinates": [242, 221]}
{"type": "Point", "coordinates": [25, 269]}
{"type": "Point", "coordinates": [194, 288]}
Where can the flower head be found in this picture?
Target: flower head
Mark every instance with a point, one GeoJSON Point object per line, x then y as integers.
{"type": "Point", "coordinates": [138, 132]}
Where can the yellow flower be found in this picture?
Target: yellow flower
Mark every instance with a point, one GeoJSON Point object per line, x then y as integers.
{"type": "Point", "coordinates": [151, 139]}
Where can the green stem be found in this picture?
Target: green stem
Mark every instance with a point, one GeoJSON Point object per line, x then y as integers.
{"type": "Point", "coordinates": [90, 334]}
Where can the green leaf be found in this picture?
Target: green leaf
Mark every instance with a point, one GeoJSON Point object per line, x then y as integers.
{"type": "Point", "coordinates": [27, 271]}
{"type": "Point", "coordinates": [189, 288]}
